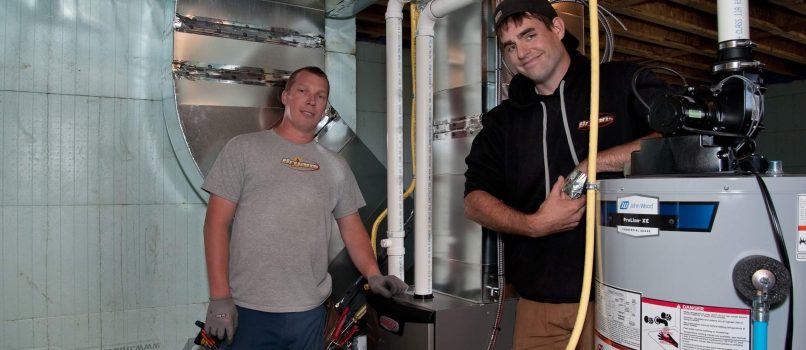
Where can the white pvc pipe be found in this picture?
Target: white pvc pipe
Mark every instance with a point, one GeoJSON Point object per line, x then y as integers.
{"type": "Point", "coordinates": [395, 234]}
{"type": "Point", "coordinates": [733, 20]}
{"type": "Point", "coordinates": [422, 200]}
{"type": "Point", "coordinates": [425, 120]}
{"type": "Point", "coordinates": [440, 8]}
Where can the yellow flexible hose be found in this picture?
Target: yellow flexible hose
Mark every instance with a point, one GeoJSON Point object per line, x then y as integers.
{"type": "Point", "coordinates": [590, 210]}
{"type": "Point", "coordinates": [415, 15]}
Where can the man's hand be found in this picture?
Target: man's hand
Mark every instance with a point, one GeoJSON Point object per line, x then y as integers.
{"type": "Point", "coordinates": [387, 286]}
{"type": "Point", "coordinates": [558, 212]}
{"type": "Point", "coordinates": [222, 318]}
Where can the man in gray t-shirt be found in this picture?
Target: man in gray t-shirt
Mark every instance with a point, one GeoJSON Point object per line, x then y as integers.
{"type": "Point", "coordinates": [279, 190]}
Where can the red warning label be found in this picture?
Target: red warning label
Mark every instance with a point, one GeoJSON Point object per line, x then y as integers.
{"type": "Point", "coordinates": [672, 325]}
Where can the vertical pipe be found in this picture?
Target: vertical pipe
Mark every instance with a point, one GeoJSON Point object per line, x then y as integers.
{"type": "Point", "coordinates": [424, 75]}
{"type": "Point", "coordinates": [760, 335]}
{"type": "Point", "coordinates": [424, 114]}
{"type": "Point", "coordinates": [733, 20]}
{"type": "Point", "coordinates": [394, 138]}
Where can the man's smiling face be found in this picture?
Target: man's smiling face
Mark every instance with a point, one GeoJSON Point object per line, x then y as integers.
{"type": "Point", "coordinates": [305, 102]}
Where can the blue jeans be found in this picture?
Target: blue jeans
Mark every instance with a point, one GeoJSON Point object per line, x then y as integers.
{"type": "Point", "coordinates": [289, 330]}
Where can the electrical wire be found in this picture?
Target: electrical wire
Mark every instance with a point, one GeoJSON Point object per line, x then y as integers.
{"type": "Point", "coordinates": [602, 15]}
{"type": "Point", "coordinates": [643, 68]}
{"type": "Point", "coordinates": [775, 224]}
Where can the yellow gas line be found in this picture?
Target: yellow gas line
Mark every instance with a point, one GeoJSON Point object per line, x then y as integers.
{"type": "Point", "coordinates": [590, 210]}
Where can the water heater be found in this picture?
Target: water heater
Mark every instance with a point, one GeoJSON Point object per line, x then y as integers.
{"type": "Point", "coordinates": [669, 250]}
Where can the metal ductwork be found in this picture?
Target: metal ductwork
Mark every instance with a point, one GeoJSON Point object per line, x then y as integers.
{"type": "Point", "coordinates": [230, 63]}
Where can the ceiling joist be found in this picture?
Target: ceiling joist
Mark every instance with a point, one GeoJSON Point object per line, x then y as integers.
{"type": "Point", "coordinates": [681, 34]}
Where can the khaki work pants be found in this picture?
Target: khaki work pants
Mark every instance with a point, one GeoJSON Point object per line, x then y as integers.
{"type": "Point", "coordinates": [547, 326]}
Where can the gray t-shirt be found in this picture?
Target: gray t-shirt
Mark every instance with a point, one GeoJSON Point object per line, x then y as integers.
{"type": "Point", "coordinates": [286, 196]}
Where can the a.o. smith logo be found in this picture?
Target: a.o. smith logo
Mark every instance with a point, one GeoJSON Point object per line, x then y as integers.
{"type": "Point", "coordinates": [300, 164]}
{"type": "Point", "coordinates": [605, 119]}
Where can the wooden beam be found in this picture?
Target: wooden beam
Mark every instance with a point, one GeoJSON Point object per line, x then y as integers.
{"type": "Point", "coordinates": [663, 54]}
{"type": "Point", "coordinates": [693, 76]}
{"type": "Point", "coordinates": [652, 34]}
{"type": "Point", "coordinates": [763, 18]}
{"type": "Point", "coordinates": [793, 5]}
{"type": "Point", "coordinates": [681, 44]}
{"type": "Point", "coordinates": [676, 33]}
{"type": "Point", "coordinates": [628, 3]}
{"type": "Point", "coordinates": [680, 18]}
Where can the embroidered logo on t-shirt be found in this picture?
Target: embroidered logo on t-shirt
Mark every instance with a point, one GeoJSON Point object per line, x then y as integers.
{"type": "Point", "coordinates": [300, 164]}
{"type": "Point", "coordinates": [605, 119]}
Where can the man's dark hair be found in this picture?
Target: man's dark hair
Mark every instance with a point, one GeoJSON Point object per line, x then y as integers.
{"type": "Point", "coordinates": [517, 19]}
{"type": "Point", "coordinates": [569, 40]}
{"type": "Point", "coordinates": [310, 69]}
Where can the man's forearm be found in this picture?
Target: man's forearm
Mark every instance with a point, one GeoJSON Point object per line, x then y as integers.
{"type": "Point", "coordinates": [365, 262]}
{"type": "Point", "coordinates": [356, 240]}
{"type": "Point", "coordinates": [492, 213]}
{"type": "Point", "coordinates": [362, 255]}
{"type": "Point", "coordinates": [216, 244]}
{"type": "Point", "coordinates": [614, 158]}
{"type": "Point", "coordinates": [216, 251]}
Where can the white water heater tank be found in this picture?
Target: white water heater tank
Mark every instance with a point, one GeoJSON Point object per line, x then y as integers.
{"type": "Point", "coordinates": [666, 252]}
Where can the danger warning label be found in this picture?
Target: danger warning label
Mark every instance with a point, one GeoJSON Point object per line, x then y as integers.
{"type": "Point", "coordinates": [672, 325]}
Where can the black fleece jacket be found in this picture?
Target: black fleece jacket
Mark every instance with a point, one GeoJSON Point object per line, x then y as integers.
{"type": "Point", "coordinates": [509, 161]}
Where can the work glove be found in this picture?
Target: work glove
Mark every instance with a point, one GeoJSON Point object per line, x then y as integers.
{"type": "Point", "coordinates": [222, 318]}
{"type": "Point", "coordinates": [386, 285]}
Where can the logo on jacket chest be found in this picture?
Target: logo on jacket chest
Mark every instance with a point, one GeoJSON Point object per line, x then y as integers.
{"type": "Point", "coordinates": [300, 164]}
{"type": "Point", "coordinates": [605, 119]}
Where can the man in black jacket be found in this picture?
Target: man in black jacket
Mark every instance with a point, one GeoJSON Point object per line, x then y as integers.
{"type": "Point", "coordinates": [529, 142]}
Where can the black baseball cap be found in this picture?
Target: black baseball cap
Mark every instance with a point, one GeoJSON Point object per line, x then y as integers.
{"type": "Point", "coordinates": [536, 7]}
{"type": "Point", "coordinates": [510, 7]}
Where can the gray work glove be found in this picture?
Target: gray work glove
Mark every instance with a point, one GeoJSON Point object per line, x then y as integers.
{"type": "Point", "coordinates": [222, 318]}
{"type": "Point", "coordinates": [386, 285]}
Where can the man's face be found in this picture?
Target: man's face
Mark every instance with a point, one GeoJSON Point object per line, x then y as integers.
{"type": "Point", "coordinates": [532, 49]}
{"type": "Point", "coordinates": [305, 102]}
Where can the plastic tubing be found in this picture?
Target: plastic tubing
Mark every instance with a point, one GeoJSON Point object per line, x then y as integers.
{"type": "Point", "coordinates": [590, 210]}
{"type": "Point", "coordinates": [760, 335]}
